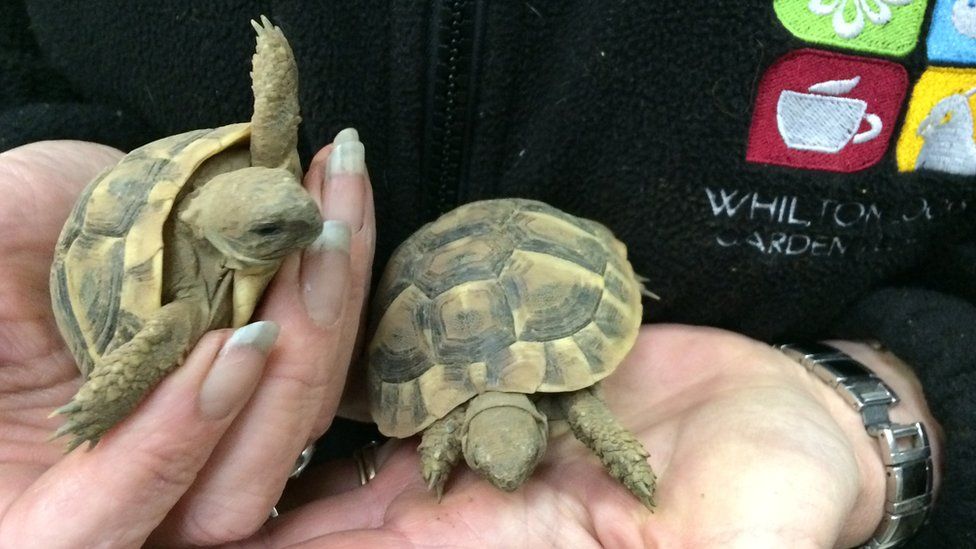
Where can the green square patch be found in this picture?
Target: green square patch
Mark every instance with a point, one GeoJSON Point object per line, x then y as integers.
{"type": "Point", "coordinates": [883, 27]}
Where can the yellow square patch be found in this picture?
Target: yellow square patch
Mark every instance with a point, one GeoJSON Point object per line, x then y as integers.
{"type": "Point", "coordinates": [938, 131]}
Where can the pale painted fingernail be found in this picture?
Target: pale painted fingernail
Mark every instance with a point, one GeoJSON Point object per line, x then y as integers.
{"type": "Point", "coordinates": [347, 157]}
{"type": "Point", "coordinates": [237, 369]}
{"type": "Point", "coordinates": [348, 134]}
{"type": "Point", "coordinates": [325, 273]}
{"type": "Point", "coordinates": [345, 182]}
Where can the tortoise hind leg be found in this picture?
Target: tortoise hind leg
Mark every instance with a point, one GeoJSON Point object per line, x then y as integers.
{"type": "Point", "coordinates": [621, 453]}
{"type": "Point", "coordinates": [440, 449]}
{"type": "Point", "coordinates": [124, 376]}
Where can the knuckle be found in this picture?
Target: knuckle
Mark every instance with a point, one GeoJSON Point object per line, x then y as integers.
{"type": "Point", "coordinates": [222, 521]}
{"type": "Point", "coordinates": [162, 468]}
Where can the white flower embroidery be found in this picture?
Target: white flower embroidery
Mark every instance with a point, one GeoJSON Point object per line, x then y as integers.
{"type": "Point", "coordinates": [878, 14]}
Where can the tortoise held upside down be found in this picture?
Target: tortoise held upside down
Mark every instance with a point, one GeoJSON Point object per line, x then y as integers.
{"type": "Point", "coordinates": [494, 319]}
{"type": "Point", "coordinates": [180, 237]}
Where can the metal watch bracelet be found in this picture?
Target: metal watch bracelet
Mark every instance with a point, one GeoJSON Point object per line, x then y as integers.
{"type": "Point", "coordinates": [905, 450]}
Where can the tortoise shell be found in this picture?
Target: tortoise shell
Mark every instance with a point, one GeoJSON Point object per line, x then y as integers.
{"type": "Point", "coordinates": [504, 295]}
{"type": "Point", "coordinates": [107, 276]}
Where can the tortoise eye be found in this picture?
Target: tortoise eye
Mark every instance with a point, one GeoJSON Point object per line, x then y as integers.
{"type": "Point", "coordinates": [267, 229]}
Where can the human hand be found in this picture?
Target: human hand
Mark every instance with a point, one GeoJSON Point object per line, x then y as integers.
{"type": "Point", "coordinates": [750, 451]}
{"type": "Point", "coordinates": [207, 454]}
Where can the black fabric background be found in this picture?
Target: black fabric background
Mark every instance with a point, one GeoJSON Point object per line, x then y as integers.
{"type": "Point", "coordinates": [624, 112]}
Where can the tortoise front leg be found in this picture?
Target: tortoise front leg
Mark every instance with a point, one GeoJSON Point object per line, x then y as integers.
{"type": "Point", "coordinates": [124, 376]}
{"type": "Point", "coordinates": [621, 453]}
{"type": "Point", "coordinates": [440, 449]}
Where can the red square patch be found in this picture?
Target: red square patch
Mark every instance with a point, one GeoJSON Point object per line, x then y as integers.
{"type": "Point", "coordinates": [826, 111]}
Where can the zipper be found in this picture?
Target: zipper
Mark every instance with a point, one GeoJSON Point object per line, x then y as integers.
{"type": "Point", "coordinates": [456, 32]}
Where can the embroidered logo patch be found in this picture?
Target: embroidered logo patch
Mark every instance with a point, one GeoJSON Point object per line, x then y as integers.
{"type": "Point", "coordinates": [938, 130]}
{"type": "Point", "coordinates": [826, 111]}
{"type": "Point", "coordinates": [952, 35]}
{"type": "Point", "coordinates": [884, 27]}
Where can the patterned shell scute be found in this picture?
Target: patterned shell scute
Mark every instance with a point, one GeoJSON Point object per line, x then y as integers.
{"type": "Point", "coordinates": [108, 264]}
{"type": "Point", "coordinates": [508, 295]}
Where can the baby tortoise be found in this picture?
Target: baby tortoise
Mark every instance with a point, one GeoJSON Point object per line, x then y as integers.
{"type": "Point", "coordinates": [180, 237]}
{"type": "Point", "coordinates": [492, 320]}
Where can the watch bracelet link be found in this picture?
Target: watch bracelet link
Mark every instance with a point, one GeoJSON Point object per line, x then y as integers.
{"type": "Point", "coordinates": [905, 450]}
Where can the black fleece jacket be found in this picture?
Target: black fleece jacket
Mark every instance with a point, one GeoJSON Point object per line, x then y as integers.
{"type": "Point", "coordinates": [633, 113]}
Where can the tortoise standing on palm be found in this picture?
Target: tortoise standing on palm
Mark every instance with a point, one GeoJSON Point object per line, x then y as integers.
{"type": "Point", "coordinates": [493, 319]}
{"type": "Point", "coordinates": [180, 237]}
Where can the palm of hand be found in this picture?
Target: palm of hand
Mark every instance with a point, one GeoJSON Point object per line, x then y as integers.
{"type": "Point", "coordinates": [744, 450]}
{"type": "Point", "coordinates": [38, 372]}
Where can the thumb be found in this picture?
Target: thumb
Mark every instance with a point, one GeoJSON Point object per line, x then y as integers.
{"type": "Point", "coordinates": [118, 492]}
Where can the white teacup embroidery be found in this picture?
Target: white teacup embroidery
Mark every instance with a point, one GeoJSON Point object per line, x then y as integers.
{"type": "Point", "coordinates": [878, 14]}
{"type": "Point", "coordinates": [822, 121]}
{"type": "Point", "coordinates": [948, 135]}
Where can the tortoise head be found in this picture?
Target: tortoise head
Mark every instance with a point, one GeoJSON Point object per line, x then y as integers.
{"type": "Point", "coordinates": [504, 437]}
{"type": "Point", "coordinates": [254, 215]}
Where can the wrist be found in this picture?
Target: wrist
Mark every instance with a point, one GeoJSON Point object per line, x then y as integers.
{"type": "Point", "coordinates": [876, 481]}
{"type": "Point", "coordinates": [912, 405]}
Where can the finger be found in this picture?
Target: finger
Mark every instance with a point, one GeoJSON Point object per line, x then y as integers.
{"type": "Point", "coordinates": [348, 196]}
{"type": "Point", "coordinates": [357, 539]}
{"type": "Point", "coordinates": [336, 502]}
{"type": "Point", "coordinates": [335, 283]}
{"type": "Point", "coordinates": [317, 299]}
{"type": "Point", "coordinates": [119, 491]}
{"type": "Point", "coordinates": [338, 476]}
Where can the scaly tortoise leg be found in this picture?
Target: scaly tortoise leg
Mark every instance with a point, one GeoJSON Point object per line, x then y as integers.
{"type": "Point", "coordinates": [621, 453]}
{"type": "Point", "coordinates": [440, 449]}
{"type": "Point", "coordinates": [124, 376]}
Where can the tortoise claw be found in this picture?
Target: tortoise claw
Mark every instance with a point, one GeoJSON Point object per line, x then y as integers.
{"type": "Point", "coordinates": [440, 450]}
{"type": "Point", "coordinates": [83, 431]}
{"type": "Point", "coordinates": [64, 429]}
{"type": "Point", "coordinates": [78, 441]}
{"type": "Point", "coordinates": [67, 409]}
{"type": "Point", "coordinates": [644, 494]}
{"type": "Point", "coordinates": [435, 481]}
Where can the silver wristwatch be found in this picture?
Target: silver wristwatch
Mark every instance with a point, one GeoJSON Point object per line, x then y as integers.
{"type": "Point", "coordinates": [905, 449]}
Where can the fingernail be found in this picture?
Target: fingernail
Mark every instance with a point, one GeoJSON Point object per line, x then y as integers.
{"type": "Point", "coordinates": [348, 134]}
{"type": "Point", "coordinates": [347, 157]}
{"type": "Point", "coordinates": [261, 335]}
{"type": "Point", "coordinates": [237, 369]}
{"type": "Point", "coordinates": [325, 273]}
{"type": "Point", "coordinates": [345, 184]}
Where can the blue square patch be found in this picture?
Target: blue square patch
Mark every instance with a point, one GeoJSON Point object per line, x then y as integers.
{"type": "Point", "coordinates": [952, 36]}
